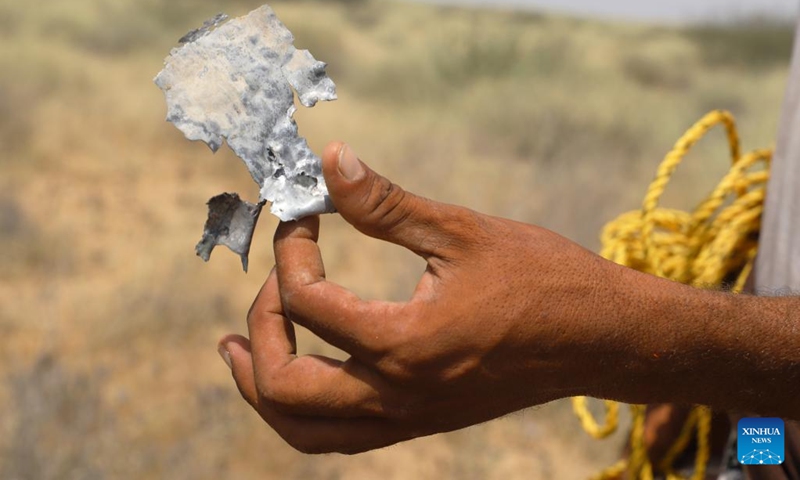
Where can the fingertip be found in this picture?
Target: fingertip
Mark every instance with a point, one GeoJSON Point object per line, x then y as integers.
{"type": "Point", "coordinates": [235, 338]}
{"type": "Point", "coordinates": [342, 168]}
{"type": "Point", "coordinates": [330, 156]}
{"type": "Point", "coordinates": [226, 356]}
{"type": "Point", "coordinates": [232, 347]}
{"type": "Point", "coordinates": [350, 166]}
{"type": "Point", "coordinates": [236, 349]}
{"type": "Point", "coordinates": [330, 164]}
{"type": "Point", "coordinates": [306, 227]}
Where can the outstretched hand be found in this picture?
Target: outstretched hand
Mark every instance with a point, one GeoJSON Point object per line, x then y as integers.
{"type": "Point", "coordinates": [506, 316]}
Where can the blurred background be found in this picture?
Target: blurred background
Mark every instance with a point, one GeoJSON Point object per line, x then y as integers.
{"type": "Point", "coordinates": [108, 321]}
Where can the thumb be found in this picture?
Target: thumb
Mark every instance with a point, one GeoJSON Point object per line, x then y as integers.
{"type": "Point", "coordinates": [381, 209]}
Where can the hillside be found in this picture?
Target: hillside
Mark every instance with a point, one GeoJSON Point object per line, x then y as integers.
{"type": "Point", "coordinates": [110, 322]}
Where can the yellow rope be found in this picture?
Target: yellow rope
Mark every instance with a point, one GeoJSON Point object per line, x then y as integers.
{"type": "Point", "coordinates": [588, 422]}
{"type": "Point", "coordinates": [713, 246]}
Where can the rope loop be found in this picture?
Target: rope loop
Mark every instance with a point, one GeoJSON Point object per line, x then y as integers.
{"type": "Point", "coordinates": [714, 247]}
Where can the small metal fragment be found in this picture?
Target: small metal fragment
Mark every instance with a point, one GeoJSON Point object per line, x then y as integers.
{"type": "Point", "coordinates": [231, 222]}
{"type": "Point", "coordinates": [208, 25]}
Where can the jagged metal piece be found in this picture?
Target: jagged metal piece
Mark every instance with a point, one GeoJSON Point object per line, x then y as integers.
{"type": "Point", "coordinates": [208, 25]}
{"type": "Point", "coordinates": [231, 222]}
{"type": "Point", "coordinates": [233, 81]}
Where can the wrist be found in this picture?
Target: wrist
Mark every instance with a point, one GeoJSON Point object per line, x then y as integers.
{"type": "Point", "coordinates": [654, 340]}
{"type": "Point", "coordinates": [684, 345]}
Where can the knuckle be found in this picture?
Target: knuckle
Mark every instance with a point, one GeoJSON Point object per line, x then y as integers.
{"type": "Point", "coordinates": [410, 356]}
{"type": "Point", "coordinates": [419, 358]}
{"type": "Point", "coordinates": [386, 203]}
{"type": "Point", "coordinates": [305, 443]}
{"type": "Point", "coordinates": [384, 338]}
{"type": "Point", "coordinates": [407, 367]}
{"type": "Point", "coordinates": [254, 314]}
{"type": "Point", "coordinates": [265, 398]}
{"type": "Point", "coordinates": [275, 393]}
{"type": "Point", "coordinates": [393, 361]}
{"type": "Point", "coordinates": [294, 296]}
{"type": "Point", "coordinates": [288, 301]}
{"type": "Point", "coordinates": [397, 368]}
{"type": "Point", "coordinates": [292, 300]}
{"type": "Point", "coordinates": [396, 365]}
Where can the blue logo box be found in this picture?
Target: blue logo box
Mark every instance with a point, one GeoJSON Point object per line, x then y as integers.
{"type": "Point", "coordinates": [760, 441]}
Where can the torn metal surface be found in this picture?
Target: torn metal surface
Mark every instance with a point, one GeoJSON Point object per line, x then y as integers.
{"type": "Point", "coordinates": [208, 25]}
{"type": "Point", "coordinates": [231, 222]}
{"type": "Point", "coordinates": [234, 81]}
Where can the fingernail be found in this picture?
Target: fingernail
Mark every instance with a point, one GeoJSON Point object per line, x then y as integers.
{"type": "Point", "coordinates": [349, 165]}
{"type": "Point", "coordinates": [226, 357]}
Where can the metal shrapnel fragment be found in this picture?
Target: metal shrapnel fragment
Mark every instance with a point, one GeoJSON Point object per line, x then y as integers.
{"type": "Point", "coordinates": [208, 25]}
{"type": "Point", "coordinates": [234, 81]}
{"type": "Point", "coordinates": [231, 222]}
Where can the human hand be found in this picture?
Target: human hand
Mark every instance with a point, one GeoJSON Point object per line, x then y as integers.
{"type": "Point", "coordinates": [506, 316]}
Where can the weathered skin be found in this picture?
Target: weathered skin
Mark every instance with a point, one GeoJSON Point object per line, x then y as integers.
{"type": "Point", "coordinates": [506, 316]}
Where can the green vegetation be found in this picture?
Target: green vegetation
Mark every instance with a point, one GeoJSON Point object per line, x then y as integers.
{"type": "Point", "coordinates": [745, 43]}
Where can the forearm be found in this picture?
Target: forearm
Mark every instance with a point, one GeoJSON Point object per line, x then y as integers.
{"type": "Point", "coordinates": [732, 352]}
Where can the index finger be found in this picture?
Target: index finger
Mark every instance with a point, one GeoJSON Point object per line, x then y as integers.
{"type": "Point", "coordinates": [335, 314]}
{"type": "Point", "coordinates": [267, 326]}
{"type": "Point", "coordinates": [308, 385]}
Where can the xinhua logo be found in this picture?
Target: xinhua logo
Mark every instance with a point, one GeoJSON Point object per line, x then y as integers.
{"type": "Point", "coordinates": [760, 441]}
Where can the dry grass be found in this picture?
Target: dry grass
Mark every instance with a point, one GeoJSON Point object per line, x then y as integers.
{"type": "Point", "coordinates": [109, 321]}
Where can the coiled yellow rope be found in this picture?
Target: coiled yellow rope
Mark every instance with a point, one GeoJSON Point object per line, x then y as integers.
{"type": "Point", "coordinates": [713, 246]}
